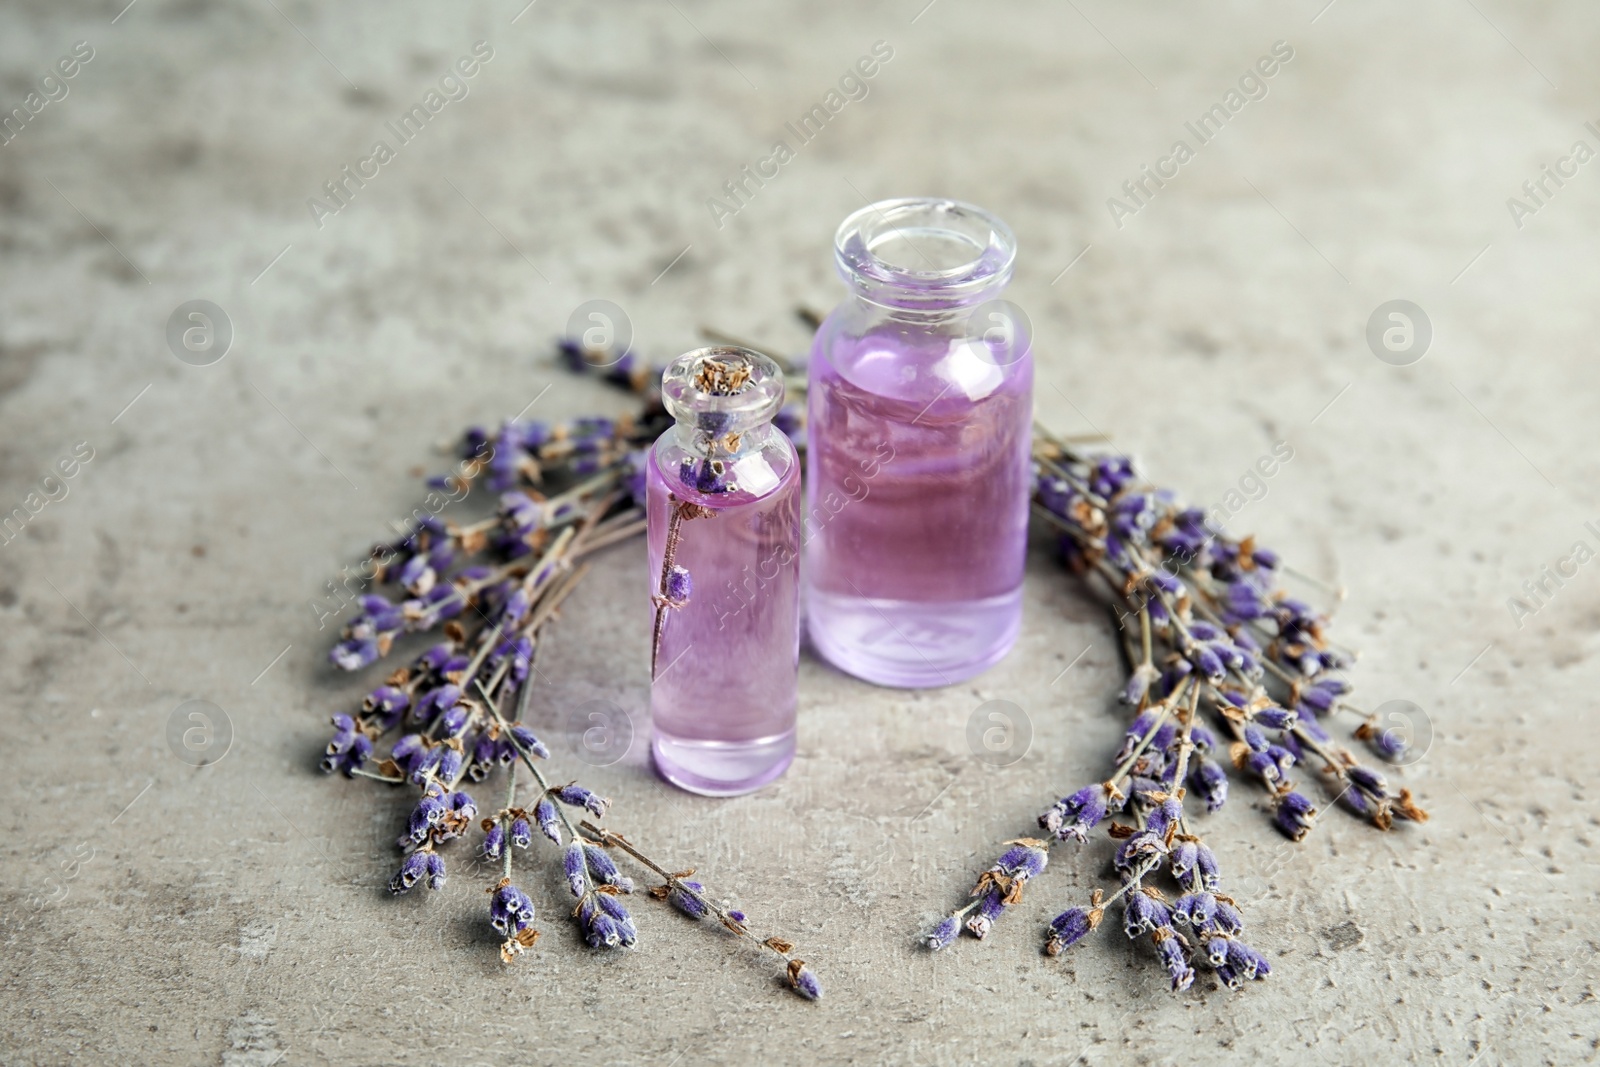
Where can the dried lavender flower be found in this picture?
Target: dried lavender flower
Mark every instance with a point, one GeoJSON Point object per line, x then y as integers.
{"type": "Point", "coordinates": [488, 588]}
{"type": "Point", "coordinates": [1207, 631]}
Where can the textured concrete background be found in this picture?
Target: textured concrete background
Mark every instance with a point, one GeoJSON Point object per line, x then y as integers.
{"type": "Point", "coordinates": [156, 912]}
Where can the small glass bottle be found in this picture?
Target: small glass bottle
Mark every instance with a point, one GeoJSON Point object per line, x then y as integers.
{"type": "Point", "coordinates": [723, 502]}
{"type": "Point", "coordinates": [917, 465]}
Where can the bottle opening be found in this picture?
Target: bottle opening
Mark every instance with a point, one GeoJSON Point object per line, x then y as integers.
{"type": "Point", "coordinates": [924, 252]}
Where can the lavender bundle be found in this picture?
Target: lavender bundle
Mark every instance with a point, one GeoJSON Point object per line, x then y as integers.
{"type": "Point", "coordinates": [1207, 631]}
{"type": "Point", "coordinates": [490, 589]}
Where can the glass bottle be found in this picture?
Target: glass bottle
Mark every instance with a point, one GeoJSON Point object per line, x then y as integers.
{"type": "Point", "coordinates": [917, 465]}
{"type": "Point", "coordinates": [723, 502]}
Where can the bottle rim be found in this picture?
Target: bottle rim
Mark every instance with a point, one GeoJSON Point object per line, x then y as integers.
{"type": "Point", "coordinates": [924, 252]}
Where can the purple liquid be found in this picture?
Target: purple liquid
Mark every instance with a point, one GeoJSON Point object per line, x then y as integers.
{"type": "Point", "coordinates": [724, 697]}
{"type": "Point", "coordinates": [916, 503]}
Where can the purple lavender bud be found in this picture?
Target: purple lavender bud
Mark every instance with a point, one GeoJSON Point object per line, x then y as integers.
{"type": "Point", "coordinates": [434, 702]}
{"type": "Point", "coordinates": [1227, 919]}
{"type": "Point", "coordinates": [1210, 782]}
{"type": "Point", "coordinates": [579, 797]}
{"type": "Point", "coordinates": [1294, 816]}
{"type": "Point", "coordinates": [983, 919]}
{"type": "Point", "coordinates": [1182, 861]}
{"type": "Point", "coordinates": [1077, 815]}
{"type": "Point", "coordinates": [343, 725]}
{"type": "Point", "coordinates": [805, 982]}
{"type": "Point", "coordinates": [1178, 969]}
{"type": "Point", "coordinates": [1164, 736]}
{"type": "Point", "coordinates": [532, 744]}
{"type": "Point", "coordinates": [1263, 766]}
{"type": "Point", "coordinates": [1208, 663]}
{"type": "Point", "coordinates": [1205, 861]}
{"type": "Point", "coordinates": [406, 748]}
{"type": "Point", "coordinates": [454, 721]}
{"type": "Point", "coordinates": [603, 869]}
{"type": "Point", "coordinates": [444, 602]}
{"type": "Point", "coordinates": [389, 704]}
{"type": "Point", "coordinates": [1356, 802]}
{"type": "Point", "coordinates": [521, 832]}
{"type": "Point", "coordinates": [1282, 756]}
{"type": "Point", "coordinates": [940, 936]}
{"type": "Point", "coordinates": [544, 813]}
{"type": "Point", "coordinates": [426, 764]}
{"type": "Point", "coordinates": [736, 915]}
{"type": "Point", "coordinates": [1368, 781]}
{"type": "Point", "coordinates": [1204, 631]}
{"type": "Point", "coordinates": [679, 585]}
{"type": "Point", "coordinates": [484, 751]}
{"type": "Point", "coordinates": [1144, 912]}
{"type": "Point", "coordinates": [1022, 862]}
{"type": "Point", "coordinates": [1276, 718]}
{"type": "Point", "coordinates": [424, 817]}
{"type": "Point", "coordinates": [1203, 739]}
{"type": "Point", "coordinates": [412, 868]}
{"type": "Point", "coordinates": [1142, 789]}
{"type": "Point", "coordinates": [1135, 733]}
{"type": "Point", "coordinates": [1166, 581]}
{"type": "Point", "coordinates": [1217, 951]}
{"type": "Point", "coordinates": [626, 932]}
{"type": "Point", "coordinates": [1321, 694]}
{"type": "Point", "coordinates": [1165, 815]}
{"type": "Point", "coordinates": [494, 842]}
{"type": "Point", "coordinates": [354, 654]}
{"type": "Point", "coordinates": [510, 910]}
{"type": "Point", "coordinates": [1195, 909]}
{"type": "Point", "coordinates": [521, 511]}
{"type": "Point", "coordinates": [355, 757]}
{"type": "Point", "coordinates": [1255, 738]}
{"type": "Point", "coordinates": [686, 903]}
{"type": "Point", "coordinates": [343, 738]}
{"type": "Point", "coordinates": [1175, 672]}
{"type": "Point", "coordinates": [435, 871]}
{"type": "Point", "coordinates": [1138, 684]}
{"type": "Point", "coordinates": [600, 929]}
{"type": "Point", "coordinates": [1309, 724]}
{"type": "Point", "coordinates": [572, 864]}
{"type": "Point", "coordinates": [462, 804]}
{"type": "Point", "coordinates": [1246, 962]}
{"type": "Point", "coordinates": [417, 576]}
{"type": "Point", "coordinates": [1390, 744]}
{"type": "Point", "coordinates": [1070, 927]}
{"type": "Point", "coordinates": [449, 764]}
{"type": "Point", "coordinates": [1137, 849]}
{"type": "Point", "coordinates": [1242, 602]}
{"type": "Point", "coordinates": [432, 657]}
{"type": "Point", "coordinates": [516, 606]}
{"type": "Point", "coordinates": [1109, 475]}
{"type": "Point", "coordinates": [373, 604]}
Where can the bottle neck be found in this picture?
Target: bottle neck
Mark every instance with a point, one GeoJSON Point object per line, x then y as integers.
{"type": "Point", "coordinates": [877, 305]}
{"type": "Point", "coordinates": [924, 257]}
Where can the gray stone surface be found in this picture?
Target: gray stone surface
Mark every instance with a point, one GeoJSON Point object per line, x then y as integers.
{"type": "Point", "coordinates": [158, 912]}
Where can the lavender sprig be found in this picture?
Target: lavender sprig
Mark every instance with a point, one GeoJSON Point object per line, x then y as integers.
{"type": "Point", "coordinates": [690, 897]}
{"type": "Point", "coordinates": [488, 589]}
{"type": "Point", "coordinates": [1206, 628]}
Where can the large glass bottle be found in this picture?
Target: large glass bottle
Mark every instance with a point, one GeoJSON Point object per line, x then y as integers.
{"type": "Point", "coordinates": [723, 501]}
{"type": "Point", "coordinates": [920, 405]}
